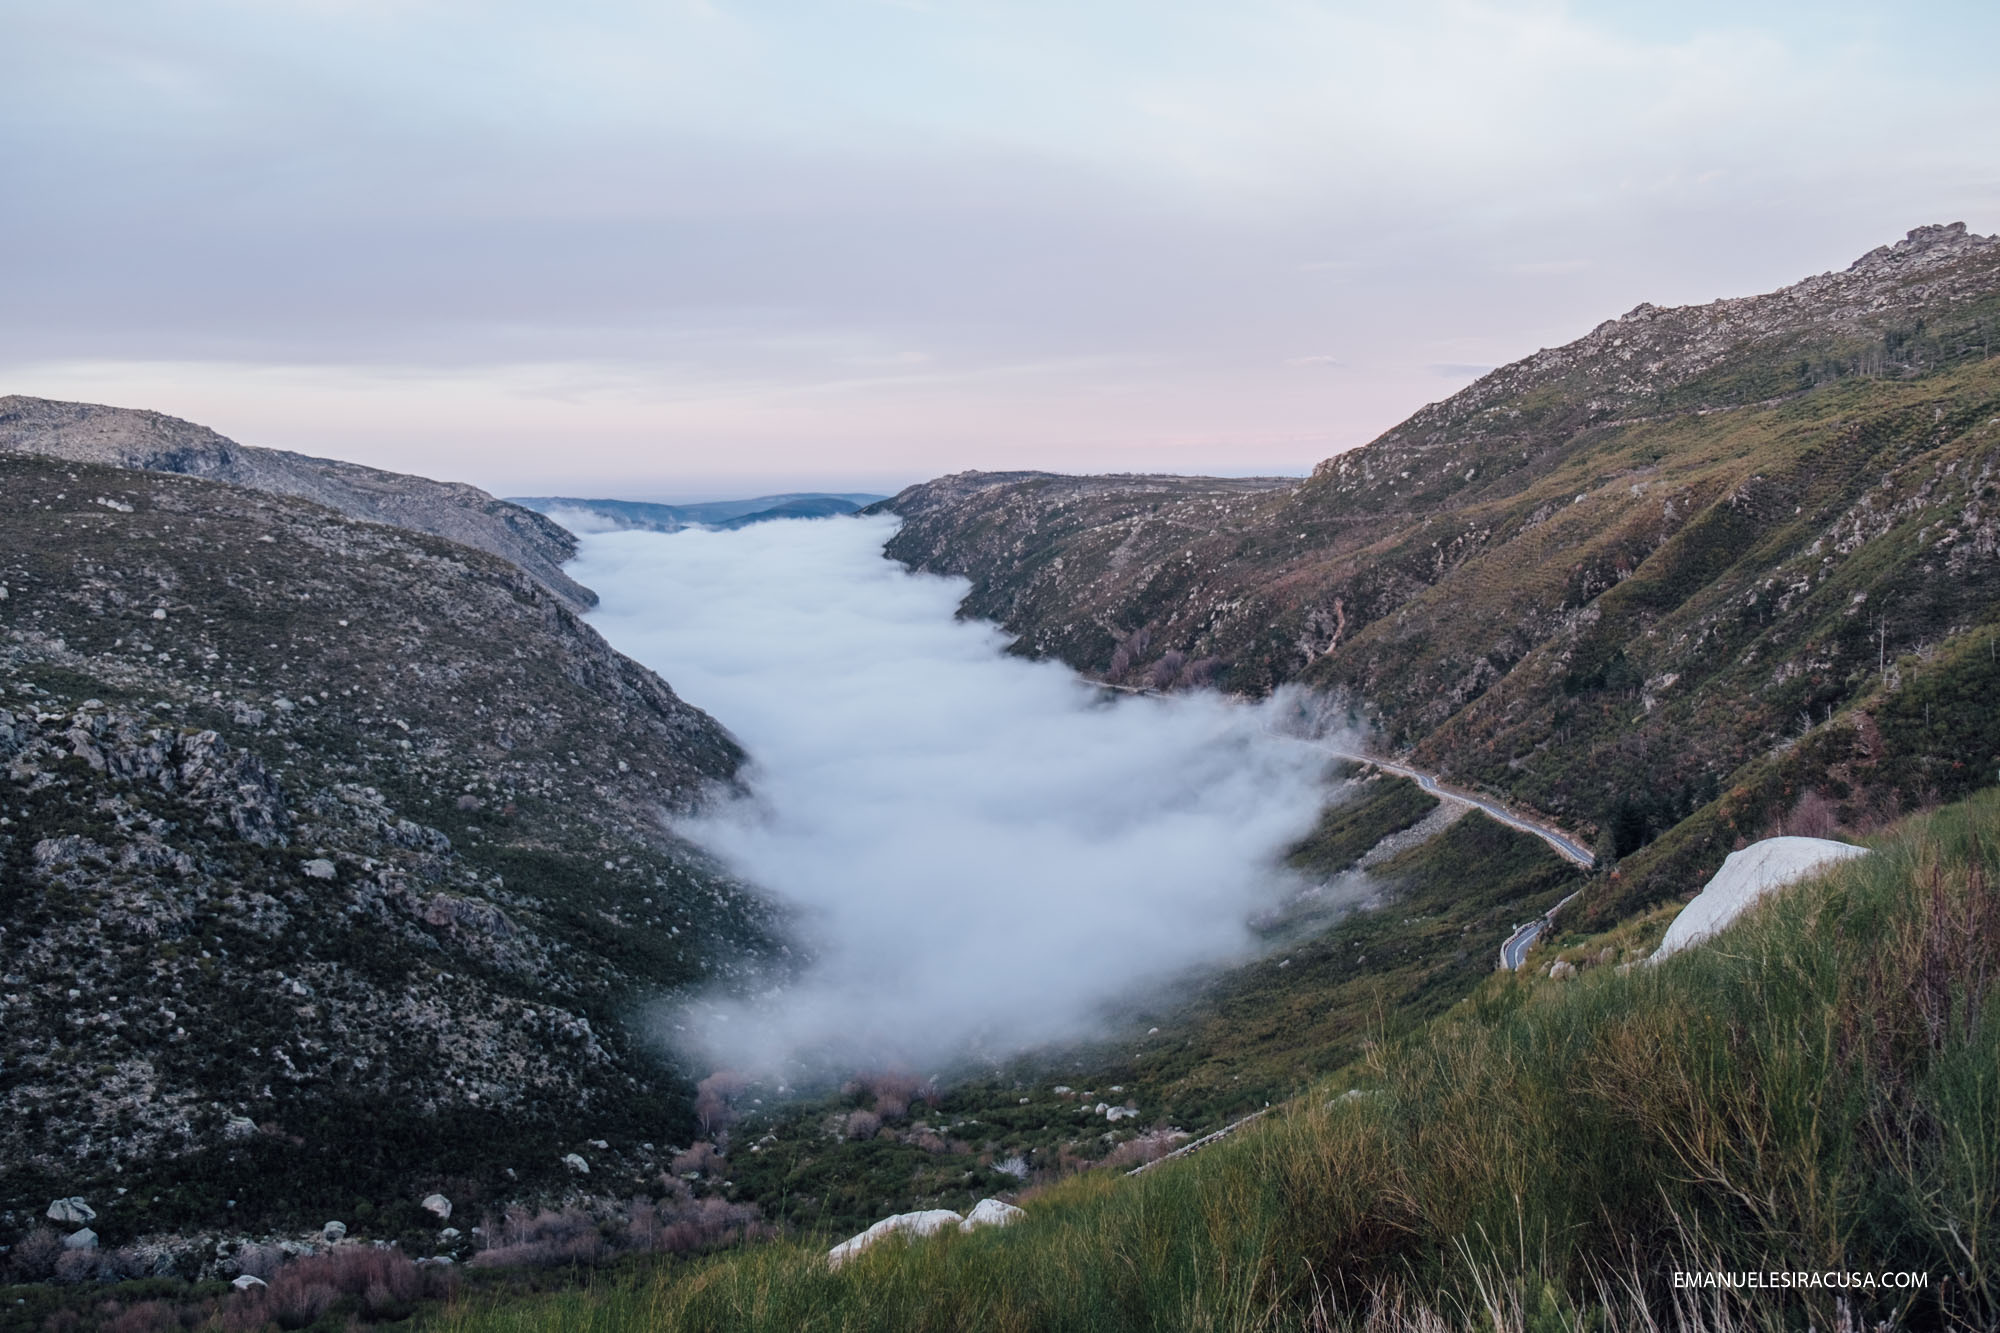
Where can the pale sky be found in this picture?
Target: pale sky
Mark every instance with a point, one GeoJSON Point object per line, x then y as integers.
{"type": "Point", "coordinates": [677, 249]}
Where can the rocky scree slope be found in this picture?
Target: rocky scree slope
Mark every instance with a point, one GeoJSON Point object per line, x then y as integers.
{"type": "Point", "coordinates": [124, 437]}
{"type": "Point", "coordinates": [333, 868]}
{"type": "Point", "coordinates": [1599, 581]}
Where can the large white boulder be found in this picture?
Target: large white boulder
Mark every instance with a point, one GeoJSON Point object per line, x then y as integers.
{"type": "Point", "coordinates": [1744, 878]}
{"type": "Point", "coordinates": [991, 1213]}
{"type": "Point", "coordinates": [72, 1211]}
{"type": "Point", "coordinates": [910, 1224]}
{"type": "Point", "coordinates": [438, 1206]}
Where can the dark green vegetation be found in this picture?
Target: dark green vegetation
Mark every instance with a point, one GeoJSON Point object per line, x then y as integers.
{"type": "Point", "coordinates": [332, 872]}
{"type": "Point", "coordinates": [1348, 829]}
{"type": "Point", "coordinates": [1814, 1091]}
{"type": "Point", "coordinates": [1616, 582]}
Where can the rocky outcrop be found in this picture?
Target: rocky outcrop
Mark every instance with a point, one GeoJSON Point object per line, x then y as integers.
{"type": "Point", "coordinates": [927, 1222]}
{"type": "Point", "coordinates": [130, 438]}
{"type": "Point", "coordinates": [991, 1213]}
{"type": "Point", "coordinates": [1746, 876]}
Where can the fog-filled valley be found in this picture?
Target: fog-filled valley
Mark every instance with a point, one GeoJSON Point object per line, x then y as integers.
{"type": "Point", "coordinates": [981, 852]}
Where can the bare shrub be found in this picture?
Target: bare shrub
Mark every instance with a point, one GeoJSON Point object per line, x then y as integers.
{"type": "Point", "coordinates": [145, 1317]}
{"type": "Point", "coordinates": [1149, 1147]}
{"type": "Point", "coordinates": [382, 1282]}
{"type": "Point", "coordinates": [1121, 662]}
{"type": "Point", "coordinates": [543, 1240]}
{"type": "Point", "coordinates": [34, 1257]}
{"type": "Point", "coordinates": [296, 1304]}
{"type": "Point", "coordinates": [673, 1224]}
{"type": "Point", "coordinates": [861, 1125]}
{"type": "Point", "coordinates": [1168, 669]}
{"type": "Point", "coordinates": [1814, 816]}
{"type": "Point", "coordinates": [78, 1266]}
{"type": "Point", "coordinates": [704, 1158]}
{"type": "Point", "coordinates": [715, 1099]}
{"type": "Point", "coordinates": [892, 1094]}
{"type": "Point", "coordinates": [1199, 672]}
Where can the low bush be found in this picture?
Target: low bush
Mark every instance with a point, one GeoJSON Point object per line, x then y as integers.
{"type": "Point", "coordinates": [374, 1283]}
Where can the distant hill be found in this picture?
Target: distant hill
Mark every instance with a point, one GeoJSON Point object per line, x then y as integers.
{"type": "Point", "coordinates": [152, 441]}
{"type": "Point", "coordinates": [644, 516]}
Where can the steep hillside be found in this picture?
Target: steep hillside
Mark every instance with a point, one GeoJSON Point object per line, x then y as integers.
{"type": "Point", "coordinates": [1600, 580]}
{"type": "Point", "coordinates": [123, 437]}
{"type": "Point", "coordinates": [332, 868]}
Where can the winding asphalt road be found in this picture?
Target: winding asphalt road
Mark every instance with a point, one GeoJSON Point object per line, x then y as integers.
{"type": "Point", "coordinates": [1514, 950]}
{"type": "Point", "coordinates": [1567, 847]}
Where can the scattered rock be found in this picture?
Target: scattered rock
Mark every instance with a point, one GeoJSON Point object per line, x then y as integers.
{"type": "Point", "coordinates": [318, 868]}
{"type": "Point", "coordinates": [248, 1281]}
{"type": "Point", "coordinates": [991, 1213]}
{"type": "Point", "coordinates": [85, 1239]}
{"type": "Point", "coordinates": [438, 1206]}
{"type": "Point", "coordinates": [576, 1164]}
{"type": "Point", "coordinates": [333, 1232]}
{"type": "Point", "coordinates": [923, 1223]}
{"type": "Point", "coordinates": [1562, 970]}
{"type": "Point", "coordinates": [72, 1211]}
{"type": "Point", "coordinates": [238, 1128]}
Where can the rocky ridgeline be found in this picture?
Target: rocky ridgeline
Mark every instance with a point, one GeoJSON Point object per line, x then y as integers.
{"type": "Point", "coordinates": [1057, 559]}
{"type": "Point", "coordinates": [1899, 309]}
{"type": "Point", "coordinates": [123, 437]}
{"type": "Point", "coordinates": [336, 868]}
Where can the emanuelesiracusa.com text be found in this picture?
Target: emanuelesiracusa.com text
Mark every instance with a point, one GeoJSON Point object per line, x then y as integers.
{"type": "Point", "coordinates": [1831, 1279]}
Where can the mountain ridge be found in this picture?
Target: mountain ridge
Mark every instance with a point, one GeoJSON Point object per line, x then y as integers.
{"type": "Point", "coordinates": [155, 442]}
{"type": "Point", "coordinates": [1600, 580]}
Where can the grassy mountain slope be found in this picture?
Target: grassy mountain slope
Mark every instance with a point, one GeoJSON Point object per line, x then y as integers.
{"type": "Point", "coordinates": [1812, 1092]}
{"type": "Point", "coordinates": [332, 867]}
{"type": "Point", "coordinates": [1600, 581]}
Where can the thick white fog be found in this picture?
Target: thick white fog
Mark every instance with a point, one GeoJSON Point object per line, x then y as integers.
{"type": "Point", "coordinates": [983, 852]}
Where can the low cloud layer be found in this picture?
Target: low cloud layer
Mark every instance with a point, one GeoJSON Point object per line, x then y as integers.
{"type": "Point", "coordinates": [983, 851]}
